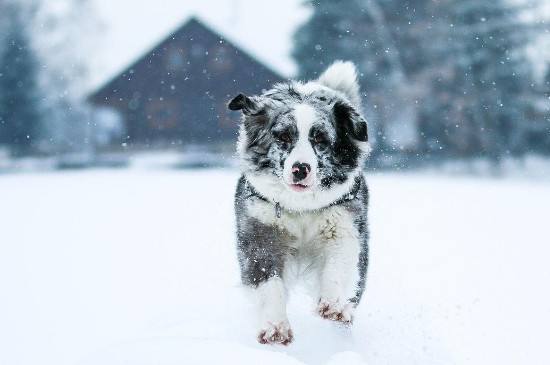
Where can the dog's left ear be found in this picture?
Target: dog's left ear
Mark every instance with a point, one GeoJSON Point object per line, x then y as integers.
{"type": "Point", "coordinates": [347, 116]}
{"type": "Point", "coordinates": [249, 106]}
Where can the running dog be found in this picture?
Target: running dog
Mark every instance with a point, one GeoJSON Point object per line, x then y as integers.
{"type": "Point", "coordinates": [302, 197]}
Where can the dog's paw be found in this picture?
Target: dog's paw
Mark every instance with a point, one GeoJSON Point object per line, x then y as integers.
{"type": "Point", "coordinates": [276, 333]}
{"type": "Point", "coordinates": [335, 311]}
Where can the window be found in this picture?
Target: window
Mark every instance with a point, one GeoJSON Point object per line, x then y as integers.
{"type": "Point", "coordinates": [163, 114]}
{"type": "Point", "coordinates": [221, 59]}
{"type": "Point", "coordinates": [176, 59]}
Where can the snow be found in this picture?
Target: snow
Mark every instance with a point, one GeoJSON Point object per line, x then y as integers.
{"type": "Point", "coordinates": [263, 28]}
{"type": "Point", "coordinates": [138, 266]}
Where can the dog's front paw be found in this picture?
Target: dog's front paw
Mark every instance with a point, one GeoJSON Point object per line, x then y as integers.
{"type": "Point", "coordinates": [335, 311]}
{"type": "Point", "coordinates": [276, 333]}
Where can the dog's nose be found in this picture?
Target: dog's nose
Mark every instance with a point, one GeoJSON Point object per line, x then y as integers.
{"type": "Point", "coordinates": [300, 171]}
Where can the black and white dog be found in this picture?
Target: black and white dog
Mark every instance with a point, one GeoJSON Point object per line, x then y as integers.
{"type": "Point", "coordinates": [302, 198]}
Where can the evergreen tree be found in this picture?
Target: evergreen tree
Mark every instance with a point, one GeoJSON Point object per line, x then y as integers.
{"type": "Point", "coordinates": [20, 119]}
{"type": "Point", "coordinates": [64, 32]}
{"type": "Point", "coordinates": [460, 62]}
{"type": "Point", "coordinates": [345, 30]}
{"type": "Point", "coordinates": [486, 82]}
{"type": "Point", "coordinates": [354, 30]}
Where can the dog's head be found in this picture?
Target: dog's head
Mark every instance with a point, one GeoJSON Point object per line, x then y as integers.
{"type": "Point", "coordinates": [309, 136]}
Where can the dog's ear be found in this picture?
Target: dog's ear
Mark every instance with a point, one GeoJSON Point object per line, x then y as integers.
{"type": "Point", "coordinates": [342, 76]}
{"type": "Point", "coordinates": [249, 106]}
{"type": "Point", "coordinates": [345, 115]}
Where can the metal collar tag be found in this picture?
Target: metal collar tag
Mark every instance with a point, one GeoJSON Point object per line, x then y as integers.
{"type": "Point", "coordinates": [278, 210]}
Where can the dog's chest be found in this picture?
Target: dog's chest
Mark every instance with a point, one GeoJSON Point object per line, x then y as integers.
{"type": "Point", "coordinates": [308, 230]}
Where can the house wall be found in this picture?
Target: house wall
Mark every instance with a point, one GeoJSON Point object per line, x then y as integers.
{"type": "Point", "coordinates": [177, 93]}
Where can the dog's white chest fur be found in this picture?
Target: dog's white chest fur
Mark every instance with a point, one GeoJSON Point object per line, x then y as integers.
{"type": "Point", "coordinates": [307, 227]}
{"type": "Point", "coordinates": [315, 234]}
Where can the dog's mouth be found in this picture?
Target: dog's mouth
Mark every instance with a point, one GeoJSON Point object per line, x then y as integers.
{"type": "Point", "coordinates": [299, 186]}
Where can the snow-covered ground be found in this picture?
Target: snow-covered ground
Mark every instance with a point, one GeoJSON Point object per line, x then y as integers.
{"type": "Point", "coordinates": [138, 266]}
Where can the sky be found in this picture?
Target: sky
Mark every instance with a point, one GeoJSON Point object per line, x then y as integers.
{"type": "Point", "coordinates": [263, 28]}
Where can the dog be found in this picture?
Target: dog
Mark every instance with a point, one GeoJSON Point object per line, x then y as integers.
{"type": "Point", "coordinates": [302, 197]}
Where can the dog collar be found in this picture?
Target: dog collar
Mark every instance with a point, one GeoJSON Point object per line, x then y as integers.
{"type": "Point", "coordinates": [278, 209]}
{"type": "Point", "coordinates": [255, 193]}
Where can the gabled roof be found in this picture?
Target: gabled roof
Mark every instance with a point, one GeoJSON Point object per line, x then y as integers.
{"type": "Point", "coordinates": [193, 26]}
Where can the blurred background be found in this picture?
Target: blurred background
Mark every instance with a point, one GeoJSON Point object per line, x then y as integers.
{"type": "Point", "coordinates": [118, 169]}
{"type": "Point", "coordinates": [456, 85]}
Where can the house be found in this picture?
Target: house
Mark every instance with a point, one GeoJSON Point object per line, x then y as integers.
{"type": "Point", "coordinates": [177, 93]}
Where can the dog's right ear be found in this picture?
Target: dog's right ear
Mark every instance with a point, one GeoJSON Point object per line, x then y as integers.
{"type": "Point", "coordinates": [348, 117]}
{"type": "Point", "coordinates": [342, 76]}
{"type": "Point", "coordinates": [249, 106]}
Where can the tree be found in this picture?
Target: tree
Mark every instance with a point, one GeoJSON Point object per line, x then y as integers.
{"type": "Point", "coordinates": [20, 118]}
{"type": "Point", "coordinates": [354, 30]}
{"type": "Point", "coordinates": [489, 58]}
{"type": "Point", "coordinates": [346, 30]}
{"type": "Point", "coordinates": [64, 32]}
{"type": "Point", "coordinates": [460, 64]}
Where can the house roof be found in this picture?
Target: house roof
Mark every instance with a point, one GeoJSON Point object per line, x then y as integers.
{"type": "Point", "coordinates": [192, 24]}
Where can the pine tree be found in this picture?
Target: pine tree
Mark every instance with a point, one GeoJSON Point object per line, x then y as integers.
{"type": "Point", "coordinates": [490, 76]}
{"type": "Point", "coordinates": [354, 30]}
{"type": "Point", "coordinates": [20, 119]}
{"type": "Point", "coordinates": [461, 61]}
{"type": "Point", "coordinates": [64, 39]}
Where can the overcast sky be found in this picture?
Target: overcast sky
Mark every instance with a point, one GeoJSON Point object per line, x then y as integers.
{"type": "Point", "coordinates": [263, 28]}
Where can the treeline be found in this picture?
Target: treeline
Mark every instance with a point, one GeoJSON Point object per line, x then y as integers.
{"type": "Point", "coordinates": [42, 75]}
{"type": "Point", "coordinates": [442, 79]}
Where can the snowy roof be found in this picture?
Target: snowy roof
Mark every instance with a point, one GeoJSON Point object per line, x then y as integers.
{"type": "Point", "coordinates": [263, 29]}
{"type": "Point", "coordinates": [191, 23]}
{"type": "Point", "coordinates": [178, 91]}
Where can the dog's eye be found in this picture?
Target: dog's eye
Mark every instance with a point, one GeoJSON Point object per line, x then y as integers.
{"type": "Point", "coordinates": [319, 138]}
{"type": "Point", "coordinates": [285, 137]}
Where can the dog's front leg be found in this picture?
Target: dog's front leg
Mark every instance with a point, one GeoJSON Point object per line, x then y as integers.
{"type": "Point", "coordinates": [271, 302]}
{"type": "Point", "coordinates": [262, 256]}
{"type": "Point", "coordinates": [339, 273]}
